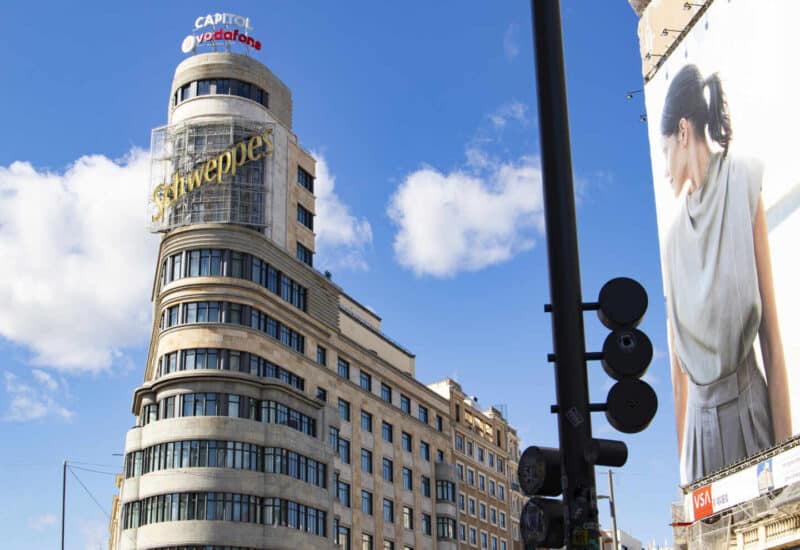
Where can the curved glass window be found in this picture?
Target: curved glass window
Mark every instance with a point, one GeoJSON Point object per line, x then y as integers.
{"type": "Point", "coordinates": [223, 507]}
{"type": "Point", "coordinates": [225, 359]}
{"type": "Point", "coordinates": [204, 453]}
{"type": "Point", "coordinates": [225, 404]}
{"type": "Point", "coordinates": [221, 86]}
{"type": "Point", "coordinates": [230, 263]}
{"type": "Point", "coordinates": [233, 313]}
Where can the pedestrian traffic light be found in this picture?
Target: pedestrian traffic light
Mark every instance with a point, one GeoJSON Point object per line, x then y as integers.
{"type": "Point", "coordinates": [631, 403]}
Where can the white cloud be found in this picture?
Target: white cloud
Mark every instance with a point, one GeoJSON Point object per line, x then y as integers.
{"type": "Point", "coordinates": [462, 221]}
{"type": "Point", "coordinates": [32, 401]}
{"type": "Point", "coordinates": [510, 46]}
{"type": "Point", "coordinates": [342, 238]}
{"type": "Point", "coordinates": [42, 522]}
{"type": "Point", "coordinates": [512, 111]}
{"type": "Point", "coordinates": [79, 260]}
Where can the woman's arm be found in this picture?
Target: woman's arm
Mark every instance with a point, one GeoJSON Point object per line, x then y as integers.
{"type": "Point", "coordinates": [769, 332]}
{"type": "Point", "coordinates": [679, 390]}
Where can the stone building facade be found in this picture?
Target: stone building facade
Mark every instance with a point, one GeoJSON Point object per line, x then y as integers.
{"type": "Point", "coordinates": [274, 413]}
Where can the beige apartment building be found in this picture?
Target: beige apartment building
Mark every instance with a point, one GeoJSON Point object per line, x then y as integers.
{"type": "Point", "coordinates": [274, 413]}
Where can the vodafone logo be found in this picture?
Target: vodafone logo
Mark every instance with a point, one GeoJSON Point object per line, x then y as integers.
{"type": "Point", "coordinates": [221, 31]}
{"type": "Point", "coordinates": [702, 503]}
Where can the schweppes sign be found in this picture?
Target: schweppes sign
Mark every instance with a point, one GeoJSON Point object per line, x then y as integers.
{"type": "Point", "coordinates": [211, 171]}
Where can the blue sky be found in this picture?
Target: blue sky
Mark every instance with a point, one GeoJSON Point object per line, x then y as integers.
{"type": "Point", "coordinates": [404, 104]}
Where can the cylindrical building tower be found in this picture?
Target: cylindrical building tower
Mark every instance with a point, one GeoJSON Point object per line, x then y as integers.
{"type": "Point", "coordinates": [229, 450]}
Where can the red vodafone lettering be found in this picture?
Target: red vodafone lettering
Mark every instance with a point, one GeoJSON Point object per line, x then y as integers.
{"type": "Point", "coordinates": [702, 502]}
{"type": "Point", "coordinates": [228, 36]}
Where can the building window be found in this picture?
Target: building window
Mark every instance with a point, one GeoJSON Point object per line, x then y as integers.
{"type": "Point", "coordinates": [471, 503]}
{"type": "Point", "coordinates": [386, 432]}
{"type": "Point", "coordinates": [322, 355]}
{"type": "Point", "coordinates": [365, 381]}
{"type": "Point", "coordinates": [344, 410]}
{"type": "Point", "coordinates": [500, 465]}
{"type": "Point", "coordinates": [482, 511]}
{"type": "Point", "coordinates": [424, 450]}
{"type": "Point", "coordinates": [341, 535]}
{"type": "Point", "coordinates": [503, 520]}
{"type": "Point", "coordinates": [366, 461]}
{"type": "Point", "coordinates": [481, 482]}
{"type": "Point", "coordinates": [425, 484]}
{"type": "Point", "coordinates": [483, 540]}
{"type": "Point", "coordinates": [366, 421]}
{"type": "Point", "coordinates": [469, 448]}
{"type": "Point", "coordinates": [445, 528]}
{"type": "Point", "coordinates": [405, 404]}
{"type": "Point", "coordinates": [408, 517]}
{"type": "Point", "coordinates": [344, 450]}
{"type": "Point", "coordinates": [501, 491]}
{"type": "Point", "coordinates": [322, 394]}
{"type": "Point", "coordinates": [406, 441]}
{"type": "Point", "coordinates": [388, 510]}
{"type": "Point", "coordinates": [386, 393]}
{"type": "Point", "coordinates": [407, 479]}
{"type": "Point", "coordinates": [388, 545]}
{"type": "Point", "coordinates": [305, 180]}
{"type": "Point", "coordinates": [423, 414]}
{"type": "Point", "coordinates": [366, 541]}
{"type": "Point", "coordinates": [333, 438]}
{"type": "Point", "coordinates": [491, 459]}
{"type": "Point", "coordinates": [462, 532]}
{"type": "Point", "coordinates": [388, 470]}
{"type": "Point", "coordinates": [305, 255]}
{"type": "Point", "coordinates": [343, 492]}
{"type": "Point", "coordinates": [473, 536]}
{"type": "Point", "coordinates": [439, 456]}
{"type": "Point", "coordinates": [460, 468]}
{"type": "Point", "coordinates": [305, 217]}
{"type": "Point", "coordinates": [366, 502]}
{"type": "Point", "coordinates": [445, 490]}
{"type": "Point", "coordinates": [492, 515]}
{"type": "Point", "coordinates": [426, 524]}
{"type": "Point", "coordinates": [462, 502]}
{"type": "Point", "coordinates": [439, 423]}
{"type": "Point", "coordinates": [480, 453]}
{"type": "Point", "coordinates": [344, 369]}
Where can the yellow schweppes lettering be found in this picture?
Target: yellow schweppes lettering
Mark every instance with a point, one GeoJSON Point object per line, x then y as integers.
{"type": "Point", "coordinates": [227, 162]}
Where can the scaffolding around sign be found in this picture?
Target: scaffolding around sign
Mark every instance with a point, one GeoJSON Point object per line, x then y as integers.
{"type": "Point", "coordinates": [178, 150]}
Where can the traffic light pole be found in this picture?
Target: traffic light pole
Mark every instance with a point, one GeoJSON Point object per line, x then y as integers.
{"type": "Point", "coordinates": [574, 422]}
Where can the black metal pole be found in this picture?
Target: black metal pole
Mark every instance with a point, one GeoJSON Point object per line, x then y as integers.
{"type": "Point", "coordinates": [574, 423]}
{"type": "Point", "coordinates": [63, 501]}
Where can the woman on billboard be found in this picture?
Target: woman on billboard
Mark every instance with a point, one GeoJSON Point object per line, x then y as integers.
{"type": "Point", "coordinates": [720, 294]}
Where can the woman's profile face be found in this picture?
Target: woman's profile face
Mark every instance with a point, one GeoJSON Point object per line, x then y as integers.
{"type": "Point", "coordinates": [675, 168]}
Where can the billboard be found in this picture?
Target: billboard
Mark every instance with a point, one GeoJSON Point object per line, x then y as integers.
{"type": "Point", "coordinates": [215, 171]}
{"type": "Point", "coordinates": [723, 118]}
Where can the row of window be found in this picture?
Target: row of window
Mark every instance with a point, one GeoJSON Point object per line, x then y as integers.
{"type": "Point", "coordinates": [226, 359]}
{"type": "Point", "coordinates": [215, 262]}
{"type": "Point", "coordinates": [232, 313]}
{"type": "Point", "coordinates": [224, 404]}
{"type": "Point", "coordinates": [202, 547]}
{"type": "Point", "coordinates": [465, 446]}
{"type": "Point", "coordinates": [496, 490]}
{"type": "Point", "coordinates": [221, 86]}
{"type": "Point", "coordinates": [468, 505]}
{"type": "Point", "coordinates": [204, 453]}
{"type": "Point", "coordinates": [365, 383]}
{"type": "Point", "coordinates": [223, 507]}
{"type": "Point", "coordinates": [445, 529]}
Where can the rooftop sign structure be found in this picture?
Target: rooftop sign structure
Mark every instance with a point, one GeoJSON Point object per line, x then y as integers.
{"type": "Point", "coordinates": [220, 32]}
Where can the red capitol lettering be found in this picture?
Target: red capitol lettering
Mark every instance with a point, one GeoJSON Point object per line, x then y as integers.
{"type": "Point", "coordinates": [230, 36]}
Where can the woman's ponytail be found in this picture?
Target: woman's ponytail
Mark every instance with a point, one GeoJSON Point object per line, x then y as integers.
{"type": "Point", "coordinates": [719, 119]}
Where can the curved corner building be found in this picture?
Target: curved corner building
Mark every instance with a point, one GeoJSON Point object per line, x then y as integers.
{"type": "Point", "coordinates": [274, 413]}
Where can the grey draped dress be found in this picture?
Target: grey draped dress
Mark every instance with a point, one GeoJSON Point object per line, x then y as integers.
{"type": "Point", "coordinates": [714, 307]}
